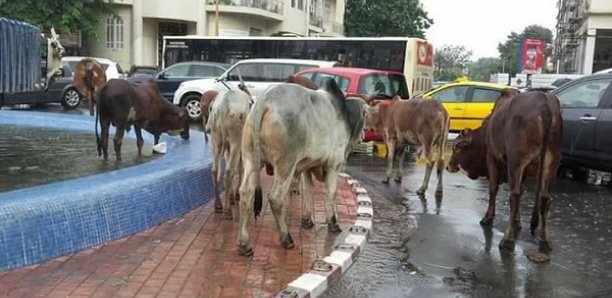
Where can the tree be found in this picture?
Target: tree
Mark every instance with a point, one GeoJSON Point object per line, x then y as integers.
{"type": "Point", "coordinates": [450, 62]}
{"type": "Point", "coordinates": [482, 69]}
{"type": "Point", "coordinates": [385, 18]}
{"type": "Point", "coordinates": [509, 50]}
{"type": "Point", "coordinates": [67, 16]}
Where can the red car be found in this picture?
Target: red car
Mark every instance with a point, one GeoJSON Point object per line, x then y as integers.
{"type": "Point", "coordinates": [362, 81]}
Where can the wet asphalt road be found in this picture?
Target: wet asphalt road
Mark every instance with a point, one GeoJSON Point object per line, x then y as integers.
{"type": "Point", "coordinates": [423, 248]}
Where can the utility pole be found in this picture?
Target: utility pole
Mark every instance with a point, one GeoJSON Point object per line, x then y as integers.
{"type": "Point", "coordinates": [217, 17]}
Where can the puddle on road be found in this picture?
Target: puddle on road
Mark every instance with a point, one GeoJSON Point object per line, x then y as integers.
{"type": "Point", "coordinates": [31, 156]}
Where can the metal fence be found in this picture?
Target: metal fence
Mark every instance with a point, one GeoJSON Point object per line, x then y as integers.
{"type": "Point", "coordinates": [19, 56]}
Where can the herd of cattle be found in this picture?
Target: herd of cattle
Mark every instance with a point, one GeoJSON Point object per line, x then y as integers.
{"type": "Point", "coordinates": [297, 130]}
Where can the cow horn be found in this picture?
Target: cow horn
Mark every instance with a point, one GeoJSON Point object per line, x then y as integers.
{"type": "Point", "coordinates": [53, 34]}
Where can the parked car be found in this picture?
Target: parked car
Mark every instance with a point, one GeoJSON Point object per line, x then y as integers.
{"type": "Point", "coordinates": [362, 81]}
{"type": "Point", "coordinates": [136, 70]}
{"type": "Point", "coordinates": [467, 102]}
{"type": "Point", "coordinates": [258, 74]}
{"type": "Point", "coordinates": [586, 105]}
{"type": "Point", "coordinates": [170, 78]}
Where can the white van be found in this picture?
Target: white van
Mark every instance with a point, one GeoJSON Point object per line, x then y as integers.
{"type": "Point", "coordinates": [258, 74]}
{"type": "Point", "coordinates": [113, 69]}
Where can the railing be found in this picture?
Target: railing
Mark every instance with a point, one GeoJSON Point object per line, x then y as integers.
{"type": "Point", "coordinates": [275, 6]}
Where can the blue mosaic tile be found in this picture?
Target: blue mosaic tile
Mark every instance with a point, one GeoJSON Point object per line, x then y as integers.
{"type": "Point", "coordinates": [51, 220]}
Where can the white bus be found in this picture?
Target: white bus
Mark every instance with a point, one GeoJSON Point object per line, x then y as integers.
{"type": "Point", "coordinates": [411, 56]}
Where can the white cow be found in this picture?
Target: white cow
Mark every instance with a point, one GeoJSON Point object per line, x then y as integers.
{"type": "Point", "coordinates": [296, 131]}
{"type": "Point", "coordinates": [55, 51]}
{"type": "Point", "coordinates": [225, 122]}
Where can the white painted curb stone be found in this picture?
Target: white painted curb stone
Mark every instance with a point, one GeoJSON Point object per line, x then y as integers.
{"type": "Point", "coordinates": [324, 272]}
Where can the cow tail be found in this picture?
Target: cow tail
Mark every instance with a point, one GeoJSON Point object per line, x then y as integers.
{"type": "Point", "coordinates": [546, 124]}
{"type": "Point", "coordinates": [257, 117]}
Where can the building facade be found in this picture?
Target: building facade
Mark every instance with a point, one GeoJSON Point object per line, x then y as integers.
{"type": "Point", "coordinates": [135, 36]}
{"type": "Point", "coordinates": [583, 42]}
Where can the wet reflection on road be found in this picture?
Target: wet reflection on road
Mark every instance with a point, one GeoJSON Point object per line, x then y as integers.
{"type": "Point", "coordinates": [426, 248]}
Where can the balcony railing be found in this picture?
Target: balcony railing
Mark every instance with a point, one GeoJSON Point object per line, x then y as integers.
{"type": "Point", "coordinates": [275, 6]}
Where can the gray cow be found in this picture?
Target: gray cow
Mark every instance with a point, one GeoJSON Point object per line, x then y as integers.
{"type": "Point", "coordinates": [296, 131]}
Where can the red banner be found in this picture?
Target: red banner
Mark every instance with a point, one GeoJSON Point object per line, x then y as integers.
{"type": "Point", "coordinates": [532, 56]}
{"type": "Point", "coordinates": [424, 53]}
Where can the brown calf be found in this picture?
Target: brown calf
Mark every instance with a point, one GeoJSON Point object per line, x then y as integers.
{"type": "Point", "coordinates": [123, 105]}
{"type": "Point", "coordinates": [414, 121]}
{"type": "Point", "coordinates": [521, 137]}
{"type": "Point", "coordinates": [88, 76]}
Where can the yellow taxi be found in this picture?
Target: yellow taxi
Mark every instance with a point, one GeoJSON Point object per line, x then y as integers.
{"type": "Point", "coordinates": [467, 102]}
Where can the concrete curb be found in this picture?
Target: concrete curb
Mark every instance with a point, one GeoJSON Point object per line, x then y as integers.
{"type": "Point", "coordinates": [325, 272]}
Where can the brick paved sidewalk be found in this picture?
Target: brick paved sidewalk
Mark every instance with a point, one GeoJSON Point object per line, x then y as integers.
{"type": "Point", "coordinates": [192, 256]}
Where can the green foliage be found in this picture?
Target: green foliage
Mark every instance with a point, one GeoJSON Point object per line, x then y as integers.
{"type": "Point", "coordinates": [509, 50]}
{"type": "Point", "coordinates": [67, 16]}
{"type": "Point", "coordinates": [385, 18]}
{"type": "Point", "coordinates": [482, 69]}
{"type": "Point", "coordinates": [450, 62]}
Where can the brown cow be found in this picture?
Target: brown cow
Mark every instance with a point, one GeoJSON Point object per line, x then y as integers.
{"type": "Point", "coordinates": [521, 137]}
{"type": "Point", "coordinates": [206, 102]}
{"type": "Point", "coordinates": [416, 121]}
{"type": "Point", "coordinates": [122, 104]}
{"type": "Point", "coordinates": [88, 76]}
{"type": "Point", "coordinates": [302, 81]}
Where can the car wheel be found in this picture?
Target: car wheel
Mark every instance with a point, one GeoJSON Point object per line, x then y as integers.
{"type": "Point", "coordinates": [71, 98]}
{"type": "Point", "coordinates": [192, 103]}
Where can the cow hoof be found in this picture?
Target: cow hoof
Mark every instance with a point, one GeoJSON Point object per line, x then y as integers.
{"type": "Point", "coordinates": [385, 181]}
{"type": "Point", "coordinates": [287, 241]}
{"type": "Point", "coordinates": [307, 223]}
{"type": "Point", "coordinates": [398, 179]}
{"type": "Point", "coordinates": [545, 247]}
{"type": "Point", "coordinates": [507, 245]}
{"type": "Point", "coordinates": [486, 221]}
{"type": "Point", "coordinates": [218, 208]}
{"type": "Point", "coordinates": [538, 257]}
{"type": "Point", "coordinates": [334, 228]}
{"type": "Point", "coordinates": [227, 215]}
{"type": "Point", "coordinates": [245, 250]}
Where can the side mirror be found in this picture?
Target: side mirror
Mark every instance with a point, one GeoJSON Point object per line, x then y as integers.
{"type": "Point", "coordinates": [161, 76]}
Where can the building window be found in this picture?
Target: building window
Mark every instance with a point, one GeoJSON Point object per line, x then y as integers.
{"type": "Point", "coordinates": [114, 33]}
{"type": "Point", "coordinates": [301, 4]}
{"type": "Point", "coordinates": [293, 3]}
